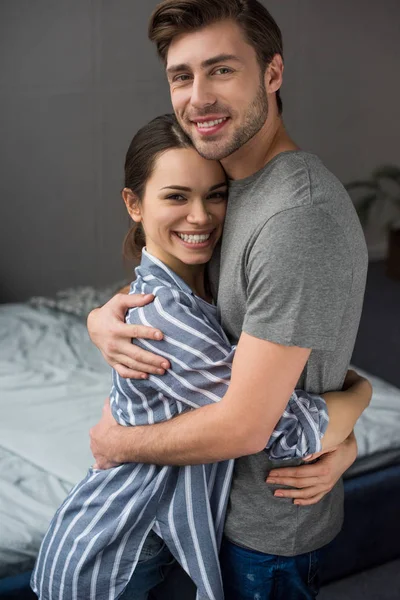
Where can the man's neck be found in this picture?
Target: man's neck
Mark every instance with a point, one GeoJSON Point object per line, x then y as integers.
{"type": "Point", "coordinates": [271, 140]}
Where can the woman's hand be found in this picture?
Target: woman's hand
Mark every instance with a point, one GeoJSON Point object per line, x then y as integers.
{"type": "Point", "coordinates": [113, 337]}
{"type": "Point", "coordinates": [312, 482]}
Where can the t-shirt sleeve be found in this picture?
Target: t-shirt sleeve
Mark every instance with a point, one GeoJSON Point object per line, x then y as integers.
{"type": "Point", "coordinates": [299, 275]}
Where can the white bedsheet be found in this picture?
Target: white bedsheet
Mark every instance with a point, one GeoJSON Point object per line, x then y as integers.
{"type": "Point", "coordinates": [53, 383]}
{"type": "Point", "coordinates": [378, 428]}
{"type": "Point", "coordinates": [28, 500]}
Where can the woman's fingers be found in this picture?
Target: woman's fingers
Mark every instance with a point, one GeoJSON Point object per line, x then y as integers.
{"type": "Point", "coordinates": [304, 494]}
{"type": "Point", "coordinates": [309, 501]}
{"type": "Point", "coordinates": [295, 482]}
{"type": "Point", "coordinates": [316, 470]}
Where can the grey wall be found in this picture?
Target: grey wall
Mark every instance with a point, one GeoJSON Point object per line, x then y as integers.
{"type": "Point", "coordinates": [78, 77]}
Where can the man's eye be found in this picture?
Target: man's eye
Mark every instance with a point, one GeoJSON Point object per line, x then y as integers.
{"type": "Point", "coordinates": [223, 71]}
{"type": "Point", "coordinates": [181, 78]}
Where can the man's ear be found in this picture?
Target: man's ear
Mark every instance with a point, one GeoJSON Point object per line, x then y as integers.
{"type": "Point", "coordinates": [274, 74]}
{"type": "Point", "coordinates": [132, 204]}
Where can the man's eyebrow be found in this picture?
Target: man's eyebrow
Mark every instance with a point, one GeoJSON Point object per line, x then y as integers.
{"type": "Point", "coordinates": [218, 59]}
{"type": "Point", "coordinates": [209, 62]}
{"type": "Point", "coordinates": [178, 68]}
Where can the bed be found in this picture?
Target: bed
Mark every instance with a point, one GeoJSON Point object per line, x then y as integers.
{"type": "Point", "coordinates": [53, 382]}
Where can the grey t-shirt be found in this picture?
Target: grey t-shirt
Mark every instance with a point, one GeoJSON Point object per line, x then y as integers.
{"type": "Point", "coordinates": [291, 269]}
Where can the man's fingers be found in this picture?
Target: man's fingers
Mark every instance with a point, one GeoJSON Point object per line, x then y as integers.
{"type": "Point", "coordinates": [149, 360]}
{"type": "Point", "coordinates": [138, 331]}
{"type": "Point", "coordinates": [141, 360]}
{"type": "Point", "coordinates": [129, 373]}
{"type": "Point", "coordinates": [295, 482]}
{"type": "Point", "coordinates": [131, 300]}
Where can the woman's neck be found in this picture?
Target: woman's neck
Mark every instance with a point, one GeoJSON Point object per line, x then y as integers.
{"type": "Point", "coordinates": [193, 275]}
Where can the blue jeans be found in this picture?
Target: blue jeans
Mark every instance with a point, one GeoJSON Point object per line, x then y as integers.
{"type": "Point", "coordinates": [154, 564]}
{"type": "Point", "coordinates": [252, 575]}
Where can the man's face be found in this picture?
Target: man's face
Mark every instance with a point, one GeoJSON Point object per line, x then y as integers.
{"type": "Point", "coordinates": [217, 89]}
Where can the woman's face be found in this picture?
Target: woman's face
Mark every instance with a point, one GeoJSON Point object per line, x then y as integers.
{"type": "Point", "coordinates": [183, 208]}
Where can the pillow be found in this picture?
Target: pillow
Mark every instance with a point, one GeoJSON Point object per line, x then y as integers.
{"type": "Point", "coordinates": [78, 301]}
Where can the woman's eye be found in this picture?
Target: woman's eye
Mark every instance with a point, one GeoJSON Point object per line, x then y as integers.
{"type": "Point", "coordinates": [218, 196]}
{"type": "Point", "coordinates": [176, 197]}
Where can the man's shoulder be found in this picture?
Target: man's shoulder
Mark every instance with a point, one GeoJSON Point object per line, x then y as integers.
{"type": "Point", "coordinates": [299, 191]}
{"type": "Point", "coordinates": [293, 180]}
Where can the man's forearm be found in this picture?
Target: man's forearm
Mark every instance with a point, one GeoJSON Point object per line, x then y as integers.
{"type": "Point", "coordinates": [203, 435]}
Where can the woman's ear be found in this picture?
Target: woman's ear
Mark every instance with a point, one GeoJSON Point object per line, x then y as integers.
{"type": "Point", "coordinates": [132, 204]}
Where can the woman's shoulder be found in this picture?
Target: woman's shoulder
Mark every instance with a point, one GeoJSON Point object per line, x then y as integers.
{"type": "Point", "coordinates": [169, 301]}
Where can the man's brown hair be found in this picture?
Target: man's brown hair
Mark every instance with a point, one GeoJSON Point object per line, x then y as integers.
{"type": "Point", "coordinates": [174, 17]}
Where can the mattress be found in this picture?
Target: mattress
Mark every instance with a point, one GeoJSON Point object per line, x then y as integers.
{"type": "Point", "coordinates": [53, 383]}
{"type": "Point", "coordinates": [28, 498]}
{"type": "Point", "coordinates": [378, 429]}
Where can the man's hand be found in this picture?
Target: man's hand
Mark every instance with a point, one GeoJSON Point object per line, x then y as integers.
{"type": "Point", "coordinates": [113, 337]}
{"type": "Point", "coordinates": [312, 482]}
{"type": "Point", "coordinates": [102, 437]}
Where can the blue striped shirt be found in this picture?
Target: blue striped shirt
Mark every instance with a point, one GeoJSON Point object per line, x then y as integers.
{"type": "Point", "coordinates": [95, 539]}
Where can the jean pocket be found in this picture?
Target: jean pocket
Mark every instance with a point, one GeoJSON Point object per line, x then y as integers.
{"type": "Point", "coordinates": [313, 572]}
{"type": "Point", "coordinates": [152, 547]}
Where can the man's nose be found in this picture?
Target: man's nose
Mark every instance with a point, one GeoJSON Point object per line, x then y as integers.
{"type": "Point", "coordinates": [202, 94]}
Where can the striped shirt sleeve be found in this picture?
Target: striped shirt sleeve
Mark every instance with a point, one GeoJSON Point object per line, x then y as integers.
{"type": "Point", "coordinates": [200, 355]}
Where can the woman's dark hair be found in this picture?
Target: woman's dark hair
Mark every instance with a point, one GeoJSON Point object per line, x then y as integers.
{"type": "Point", "coordinates": [158, 136]}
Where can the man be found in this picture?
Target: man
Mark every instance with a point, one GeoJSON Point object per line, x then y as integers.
{"type": "Point", "coordinates": [289, 280]}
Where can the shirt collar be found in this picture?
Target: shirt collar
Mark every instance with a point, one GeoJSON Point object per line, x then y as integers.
{"type": "Point", "coordinates": [157, 268]}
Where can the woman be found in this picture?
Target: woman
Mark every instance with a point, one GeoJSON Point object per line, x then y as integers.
{"type": "Point", "coordinates": [177, 200]}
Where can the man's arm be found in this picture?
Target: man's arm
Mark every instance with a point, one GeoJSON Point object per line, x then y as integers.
{"type": "Point", "coordinates": [264, 375]}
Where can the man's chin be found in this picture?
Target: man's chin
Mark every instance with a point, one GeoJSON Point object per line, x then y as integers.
{"type": "Point", "coordinates": [212, 150]}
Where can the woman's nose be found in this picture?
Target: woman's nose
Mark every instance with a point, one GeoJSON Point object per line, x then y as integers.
{"type": "Point", "coordinates": [199, 215]}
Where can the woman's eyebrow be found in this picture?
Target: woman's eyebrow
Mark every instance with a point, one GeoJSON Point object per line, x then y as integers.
{"type": "Point", "coordinates": [188, 189]}
{"type": "Point", "coordinates": [215, 187]}
{"type": "Point", "coordinates": [177, 187]}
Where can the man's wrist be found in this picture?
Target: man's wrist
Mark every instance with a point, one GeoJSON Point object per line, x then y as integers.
{"type": "Point", "coordinates": [121, 444]}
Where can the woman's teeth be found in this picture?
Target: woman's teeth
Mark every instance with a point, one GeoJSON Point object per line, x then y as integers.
{"type": "Point", "coordinates": [194, 239]}
{"type": "Point", "coordinates": [211, 123]}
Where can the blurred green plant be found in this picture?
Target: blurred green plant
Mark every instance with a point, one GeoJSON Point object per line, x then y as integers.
{"type": "Point", "coordinates": [382, 188]}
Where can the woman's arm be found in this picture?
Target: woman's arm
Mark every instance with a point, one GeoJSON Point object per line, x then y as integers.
{"type": "Point", "coordinates": [344, 409]}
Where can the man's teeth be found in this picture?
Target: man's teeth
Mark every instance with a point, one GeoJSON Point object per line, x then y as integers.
{"type": "Point", "coordinates": [211, 123]}
{"type": "Point", "coordinates": [194, 239]}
